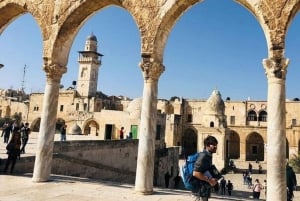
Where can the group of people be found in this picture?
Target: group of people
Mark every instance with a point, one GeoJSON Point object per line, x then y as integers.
{"type": "Point", "coordinates": [122, 133]}
{"type": "Point", "coordinates": [20, 136]}
{"type": "Point", "coordinates": [226, 185]}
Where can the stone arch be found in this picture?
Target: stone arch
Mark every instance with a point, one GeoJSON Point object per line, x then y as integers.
{"type": "Point", "coordinates": [233, 145]}
{"type": "Point", "coordinates": [165, 27]}
{"type": "Point", "coordinates": [262, 115]}
{"type": "Point", "coordinates": [251, 115]}
{"type": "Point", "coordinates": [254, 147]}
{"type": "Point", "coordinates": [91, 127]}
{"type": "Point", "coordinates": [35, 125]}
{"type": "Point", "coordinates": [72, 23]}
{"type": "Point", "coordinates": [189, 141]}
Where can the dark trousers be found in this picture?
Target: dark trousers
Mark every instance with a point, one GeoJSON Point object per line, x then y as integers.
{"type": "Point", "coordinates": [11, 159]}
{"type": "Point", "coordinates": [24, 143]}
{"type": "Point", "coordinates": [6, 137]}
{"type": "Point", "coordinates": [223, 189]}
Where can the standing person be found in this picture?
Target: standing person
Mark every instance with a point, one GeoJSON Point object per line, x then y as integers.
{"type": "Point", "coordinates": [25, 131]}
{"type": "Point", "coordinates": [245, 177]}
{"type": "Point", "coordinates": [167, 179]}
{"type": "Point", "coordinates": [3, 128]}
{"type": "Point", "coordinates": [223, 186]}
{"type": "Point", "coordinates": [256, 189]}
{"type": "Point", "coordinates": [229, 187]}
{"type": "Point", "coordinates": [122, 131]}
{"type": "Point", "coordinates": [63, 132]}
{"type": "Point", "coordinates": [177, 180]}
{"type": "Point", "coordinates": [250, 168]}
{"type": "Point", "coordinates": [7, 131]}
{"type": "Point", "coordinates": [202, 165]}
{"type": "Point", "coordinates": [13, 151]}
{"type": "Point", "coordinates": [291, 181]}
{"type": "Point", "coordinates": [265, 188]}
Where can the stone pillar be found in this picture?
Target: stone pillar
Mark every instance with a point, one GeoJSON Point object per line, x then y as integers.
{"type": "Point", "coordinates": [44, 152]}
{"type": "Point", "coordinates": [276, 137]}
{"type": "Point", "coordinates": [147, 130]}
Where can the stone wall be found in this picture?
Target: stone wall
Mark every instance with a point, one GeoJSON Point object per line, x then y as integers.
{"type": "Point", "coordinates": [114, 160]}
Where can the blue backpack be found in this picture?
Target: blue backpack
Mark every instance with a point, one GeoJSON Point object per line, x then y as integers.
{"type": "Point", "coordinates": [187, 170]}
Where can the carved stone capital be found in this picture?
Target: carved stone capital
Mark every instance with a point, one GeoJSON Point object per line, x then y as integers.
{"type": "Point", "coordinates": [54, 72]}
{"type": "Point", "coordinates": [276, 67]}
{"type": "Point", "coordinates": [151, 69]}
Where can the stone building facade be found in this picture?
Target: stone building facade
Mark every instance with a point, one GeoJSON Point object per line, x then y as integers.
{"type": "Point", "coordinates": [60, 21]}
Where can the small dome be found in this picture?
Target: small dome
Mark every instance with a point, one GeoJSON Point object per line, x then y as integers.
{"type": "Point", "coordinates": [92, 37]}
{"type": "Point", "coordinates": [134, 108]}
{"type": "Point", "coordinates": [215, 104]}
{"type": "Point", "coordinates": [75, 130]}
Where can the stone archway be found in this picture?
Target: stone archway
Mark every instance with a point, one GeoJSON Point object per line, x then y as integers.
{"type": "Point", "coordinates": [35, 125]}
{"type": "Point", "coordinates": [233, 144]}
{"type": "Point", "coordinates": [254, 147]}
{"type": "Point", "coordinates": [189, 142]}
{"type": "Point", "coordinates": [91, 128]}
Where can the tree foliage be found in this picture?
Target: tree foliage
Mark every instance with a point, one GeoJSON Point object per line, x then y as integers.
{"type": "Point", "coordinates": [295, 162]}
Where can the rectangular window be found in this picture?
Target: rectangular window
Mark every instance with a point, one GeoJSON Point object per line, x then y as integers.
{"type": "Point", "coordinates": [232, 120]}
{"type": "Point", "coordinates": [61, 108]}
{"type": "Point", "coordinates": [190, 118]}
{"type": "Point", "coordinates": [77, 106]}
{"type": "Point", "coordinates": [158, 127]}
{"type": "Point", "coordinates": [294, 122]}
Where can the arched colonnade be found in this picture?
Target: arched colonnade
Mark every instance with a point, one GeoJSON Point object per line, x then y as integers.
{"type": "Point", "coordinates": [60, 21]}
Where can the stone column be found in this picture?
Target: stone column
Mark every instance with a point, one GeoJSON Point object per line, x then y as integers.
{"type": "Point", "coordinates": [276, 139]}
{"type": "Point", "coordinates": [147, 130]}
{"type": "Point", "coordinates": [44, 152]}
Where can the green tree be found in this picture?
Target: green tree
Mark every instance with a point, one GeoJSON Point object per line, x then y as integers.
{"type": "Point", "coordinates": [295, 162]}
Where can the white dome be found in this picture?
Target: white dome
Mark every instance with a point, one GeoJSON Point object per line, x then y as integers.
{"type": "Point", "coordinates": [215, 104]}
{"type": "Point", "coordinates": [75, 129]}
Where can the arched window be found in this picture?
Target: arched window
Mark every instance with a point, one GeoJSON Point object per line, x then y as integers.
{"type": "Point", "coordinates": [262, 116]}
{"type": "Point", "coordinates": [252, 116]}
{"type": "Point", "coordinates": [212, 124]}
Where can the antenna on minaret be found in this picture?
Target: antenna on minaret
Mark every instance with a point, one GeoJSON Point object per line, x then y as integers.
{"type": "Point", "coordinates": [23, 79]}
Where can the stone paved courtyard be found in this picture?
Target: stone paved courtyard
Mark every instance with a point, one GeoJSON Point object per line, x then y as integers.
{"type": "Point", "coordinates": [20, 187]}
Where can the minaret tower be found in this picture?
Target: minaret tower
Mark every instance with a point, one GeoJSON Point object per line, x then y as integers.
{"type": "Point", "coordinates": [89, 62]}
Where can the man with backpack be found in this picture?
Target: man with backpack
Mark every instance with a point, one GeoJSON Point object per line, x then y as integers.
{"type": "Point", "coordinates": [203, 179]}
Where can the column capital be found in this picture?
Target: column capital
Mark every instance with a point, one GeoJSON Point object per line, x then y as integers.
{"type": "Point", "coordinates": [276, 67]}
{"type": "Point", "coordinates": [151, 69]}
{"type": "Point", "coordinates": [54, 72]}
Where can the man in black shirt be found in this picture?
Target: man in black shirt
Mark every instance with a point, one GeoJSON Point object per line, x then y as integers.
{"type": "Point", "coordinates": [202, 166]}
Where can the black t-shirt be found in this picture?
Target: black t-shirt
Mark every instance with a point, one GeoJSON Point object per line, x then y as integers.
{"type": "Point", "coordinates": [203, 162]}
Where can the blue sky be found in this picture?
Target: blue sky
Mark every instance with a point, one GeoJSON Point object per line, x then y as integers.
{"type": "Point", "coordinates": [215, 44]}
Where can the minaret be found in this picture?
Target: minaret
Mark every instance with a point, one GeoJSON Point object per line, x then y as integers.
{"type": "Point", "coordinates": [89, 62]}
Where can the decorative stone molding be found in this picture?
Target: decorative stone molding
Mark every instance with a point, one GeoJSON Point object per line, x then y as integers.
{"type": "Point", "coordinates": [54, 72]}
{"type": "Point", "coordinates": [151, 69]}
{"type": "Point", "coordinates": [276, 67]}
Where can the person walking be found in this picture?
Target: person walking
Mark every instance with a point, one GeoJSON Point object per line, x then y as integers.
{"type": "Point", "coordinates": [7, 130]}
{"type": "Point", "coordinates": [202, 165]}
{"type": "Point", "coordinates": [256, 189]}
{"type": "Point", "coordinates": [223, 186]}
{"type": "Point", "coordinates": [25, 131]}
{"type": "Point", "coordinates": [229, 187]}
{"type": "Point", "coordinates": [13, 151]}
{"type": "Point", "coordinates": [122, 131]}
{"type": "Point", "coordinates": [63, 132]}
{"type": "Point", "coordinates": [291, 182]}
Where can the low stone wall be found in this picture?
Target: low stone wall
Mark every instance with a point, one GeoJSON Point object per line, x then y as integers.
{"type": "Point", "coordinates": [113, 160]}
